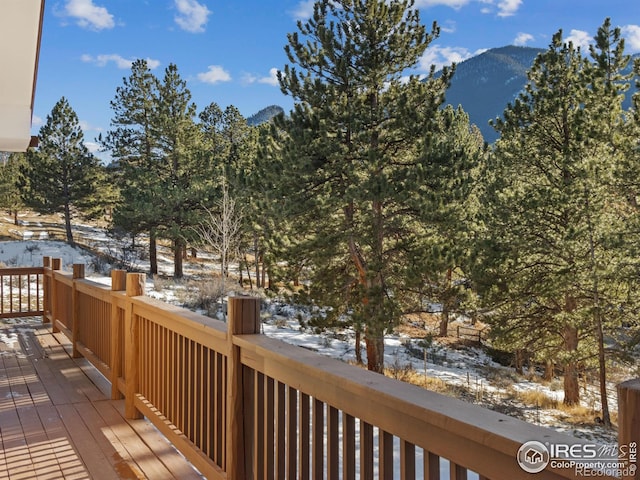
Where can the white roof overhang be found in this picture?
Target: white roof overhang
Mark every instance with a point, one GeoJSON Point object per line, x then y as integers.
{"type": "Point", "coordinates": [20, 35]}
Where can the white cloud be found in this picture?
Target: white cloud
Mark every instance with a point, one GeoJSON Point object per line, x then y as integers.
{"type": "Point", "coordinates": [88, 15]}
{"type": "Point", "coordinates": [271, 79]}
{"type": "Point", "coordinates": [631, 35]}
{"type": "Point", "coordinates": [92, 146]}
{"type": "Point", "coordinates": [522, 38]}
{"type": "Point", "coordinates": [443, 56]}
{"type": "Point", "coordinates": [303, 10]}
{"type": "Point", "coordinates": [36, 121]}
{"type": "Point", "coordinates": [215, 74]}
{"type": "Point", "coordinates": [507, 8]}
{"type": "Point", "coordinates": [449, 26]}
{"type": "Point", "coordinates": [579, 38]}
{"type": "Point", "coordinates": [192, 16]}
{"type": "Point", "coordinates": [86, 126]}
{"type": "Point", "coordinates": [118, 60]}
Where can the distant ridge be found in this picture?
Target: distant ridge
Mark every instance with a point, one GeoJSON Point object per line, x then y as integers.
{"type": "Point", "coordinates": [486, 83]}
{"type": "Point", "coordinates": [264, 115]}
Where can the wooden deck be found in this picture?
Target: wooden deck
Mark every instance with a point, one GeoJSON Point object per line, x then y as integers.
{"type": "Point", "coordinates": [57, 419]}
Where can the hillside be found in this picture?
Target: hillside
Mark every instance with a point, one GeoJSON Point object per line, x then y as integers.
{"type": "Point", "coordinates": [486, 83]}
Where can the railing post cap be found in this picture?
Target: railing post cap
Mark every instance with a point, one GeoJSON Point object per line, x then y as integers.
{"type": "Point", "coordinates": [633, 384]}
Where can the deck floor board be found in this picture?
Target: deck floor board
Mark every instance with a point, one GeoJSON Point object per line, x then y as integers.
{"type": "Point", "coordinates": [57, 420]}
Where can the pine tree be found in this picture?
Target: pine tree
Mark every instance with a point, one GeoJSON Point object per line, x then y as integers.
{"type": "Point", "coordinates": [10, 197]}
{"type": "Point", "coordinates": [553, 215]}
{"type": "Point", "coordinates": [351, 149]}
{"type": "Point", "coordinates": [61, 175]}
{"type": "Point", "coordinates": [182, 175]}
{"type": "Point", "coordinates": [447, 200]}
{"type": "Point", "coordinates": [133, 143]}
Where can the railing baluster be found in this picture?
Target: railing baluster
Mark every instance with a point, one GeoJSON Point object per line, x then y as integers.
{"type": "Point", "coordinates": [292, 433]}
{"type": "Point", "coordinates": [318, 440]}
{"type": "Point", "coordinates": [366, 451]}
{"type": "Point", "coordinates": [348, 447]}
{"type": "Point", "coordinates": [269, 430]}
{"type": "Point", "coordinates": [431, 466]}
{"type": "Point", "coordinates": [259, 423]}
{"type": "Point", "coordinates": [304, 443]}
{"type": "Point", "coordinates": [333, 443]}
{"type": "Point", "coordinates": [407, 460]}
{"type": "Point", "coordinates": [281, 451]}
{"type": "Point", "coordinates": [457, 472]}
{"type": "Point", "coordinates": [385, 455]}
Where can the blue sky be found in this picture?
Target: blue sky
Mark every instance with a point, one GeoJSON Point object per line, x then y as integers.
{"type": "Point", "coordinates": [229, 50]}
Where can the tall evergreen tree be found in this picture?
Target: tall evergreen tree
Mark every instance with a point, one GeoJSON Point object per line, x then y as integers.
{"type": "Point", "coordinates": [555, 218]}
{"type": "Point", "coordinates": [133, 144]}
{"type": "Point", "coordinates": [182, 183]}
{"type": "Point", "coordinates": [61, 174]}
{"type": "Point", "coordinates": [352, 152]}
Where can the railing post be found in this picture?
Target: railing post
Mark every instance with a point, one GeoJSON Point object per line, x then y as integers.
{"type": "Point", "coordinates": [243, 318]}
{"type": "Point", "coordinates": [56, 264]}
{"type": "Point", "coordinates": [135, 287]}
{"type": "Point", "coordinates": [46, 293]}
{"type": "Point", "coordinates": [629, 421]}
{"type": "Point", "coordinates": [78, 273]}
{"type": "Point", "coordinates": [118, 283]}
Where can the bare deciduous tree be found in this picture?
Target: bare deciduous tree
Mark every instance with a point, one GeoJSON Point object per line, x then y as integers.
{"type": "Point", "coordinates": [221, 229]}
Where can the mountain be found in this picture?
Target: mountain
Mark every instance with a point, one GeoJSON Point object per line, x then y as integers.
{"type": "Point", "coordinates": [486, 83]}
{"type": "Point", "coordinates": [264, 115]}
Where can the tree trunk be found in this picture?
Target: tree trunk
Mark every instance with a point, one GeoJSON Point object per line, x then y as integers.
{"type": "Point", "coordinates": [358, 346]}
{"type": "Point", "coordinates": [444, 321]}
{"type": "Point", "coordinates": [246, 262]}
{"type": "Point", "coordinates": [256, 257]}
{"type": "Point", "coordinates": [153, 252]}
{"type": "Point", "coordinates": [597, 316]}
{"type": "Point", "coordinates": [548, 370]}
{"type": "Point", "coordinates": [375, 352]}
{"type": "Point", "coordinates": [15, 217]}
{"type": "Point", "coordinates": [178, 248]}
{"type": "Point", "coordinates": [67, 223]}
{"type": "Point", "coordinates": [571, 384]}
{"type": "Point", "coordinates": [444, 316]}
{"type": "Point", "coordinates": [519, 361]}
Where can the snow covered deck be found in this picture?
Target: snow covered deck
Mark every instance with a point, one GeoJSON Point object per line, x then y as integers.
{"type": "Point", "coordinates": [57, 420]}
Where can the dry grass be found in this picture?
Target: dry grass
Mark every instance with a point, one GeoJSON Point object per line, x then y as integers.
{"type": "Point", "coordinates": [536, 398]}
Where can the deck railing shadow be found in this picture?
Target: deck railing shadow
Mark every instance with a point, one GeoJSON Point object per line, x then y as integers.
{"type": "Point", "coordinates": [239, 405]}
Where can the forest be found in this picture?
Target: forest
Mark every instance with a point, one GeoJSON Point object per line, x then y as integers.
{"type": "Point", "coordinates": [374, 200]}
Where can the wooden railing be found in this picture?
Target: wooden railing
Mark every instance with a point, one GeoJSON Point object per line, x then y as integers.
{"type": "Point", "coordinates": [21, 292]}
{"type": "Point", "coordinates": [240, 405]}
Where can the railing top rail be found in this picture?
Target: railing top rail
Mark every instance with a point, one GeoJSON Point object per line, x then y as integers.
{"type": "Point", "coordinates": [21, 271]}
{"type": "Point", "coordinates": [180, 317]}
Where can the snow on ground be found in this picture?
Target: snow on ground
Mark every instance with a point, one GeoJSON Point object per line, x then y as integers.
{"type": "Point", "coordinates": [469, 370]}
